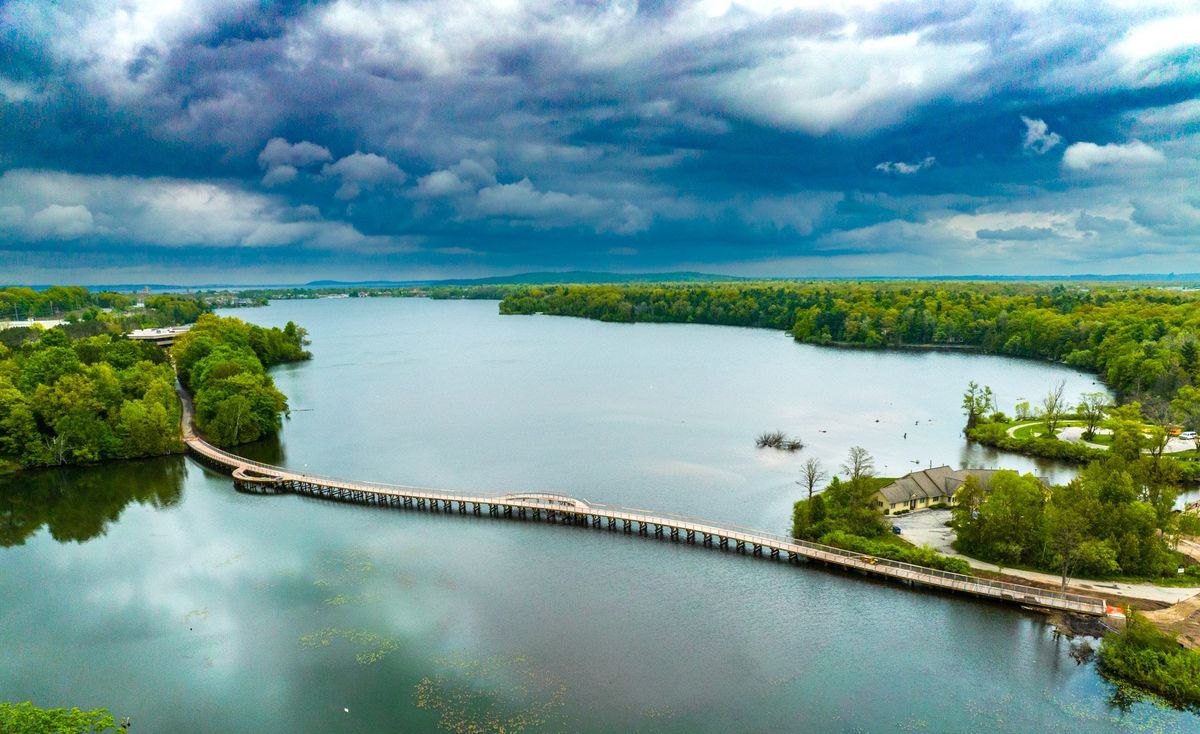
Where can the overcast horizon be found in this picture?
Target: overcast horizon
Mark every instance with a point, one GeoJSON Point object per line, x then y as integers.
{"type": "Point", "coordinates": [229, 142]}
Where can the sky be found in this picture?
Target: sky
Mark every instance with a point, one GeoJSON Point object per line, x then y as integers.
{"type": "Point", "coordinates": [241, 141]}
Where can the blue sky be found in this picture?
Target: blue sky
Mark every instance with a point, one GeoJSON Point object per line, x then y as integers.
{"type": "Point", "coordinates": [241, 141]}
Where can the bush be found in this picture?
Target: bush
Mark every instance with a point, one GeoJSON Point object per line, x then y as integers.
{"type": "Point", "coordinates": [1152, 660]}
{"type": "Point", "coordinates": [897, 551]}
{"type": "Point", "coordinates": [25, 718]}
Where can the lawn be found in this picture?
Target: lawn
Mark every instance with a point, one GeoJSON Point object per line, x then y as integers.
{"type": "Point", "coordinates": [1034, 430]}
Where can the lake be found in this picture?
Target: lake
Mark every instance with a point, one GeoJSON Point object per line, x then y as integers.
{"type": "Point", "coordinates": [156, 590]}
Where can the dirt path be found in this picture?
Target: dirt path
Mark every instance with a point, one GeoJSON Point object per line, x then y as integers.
{"type": "Point", "coordinates": [1183, 619]}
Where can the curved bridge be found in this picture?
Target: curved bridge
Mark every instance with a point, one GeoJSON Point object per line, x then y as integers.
{"type": "Point", "coordinates": [263, 478]}
{"type": "Point", "coordinates": [253, 476]}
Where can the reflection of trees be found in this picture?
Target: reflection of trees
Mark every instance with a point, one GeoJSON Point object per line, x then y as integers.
{"type": "Point", "coordinates": [268, 450]}
{"type": "Point", "coordinates": [78, 503]}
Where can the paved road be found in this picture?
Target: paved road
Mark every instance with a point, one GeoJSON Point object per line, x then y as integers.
{"type": "Point", "coordinates": [929, 528]}
{"type": "Point", "coordinates": [1074, 434]}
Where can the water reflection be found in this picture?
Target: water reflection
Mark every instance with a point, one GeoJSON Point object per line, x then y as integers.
{"type": "Point", "coordinates": [77, 504]}
{"type": "Point", "coordinates": [268, 450]}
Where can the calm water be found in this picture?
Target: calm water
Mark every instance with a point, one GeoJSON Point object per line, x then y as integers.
{"type": "Point", "coordinates": [154, 589]}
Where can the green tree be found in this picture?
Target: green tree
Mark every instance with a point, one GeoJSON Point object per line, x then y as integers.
{"type": "Point", "coordinates": [1092, 407]}
{"type": "Point", "coordinates": [1185, 408]}
{"type": "Point", "coordinates": [25, 718]}
{"type": "Point", "coordinates": [1069, 512]}
{"type": "Point", "coordinates": [977, 402]}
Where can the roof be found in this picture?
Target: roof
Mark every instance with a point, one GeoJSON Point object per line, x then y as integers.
{"type": "Point", "coordinates": [934, 483]}
{"type": "Point", "coordinates": [158, 333]}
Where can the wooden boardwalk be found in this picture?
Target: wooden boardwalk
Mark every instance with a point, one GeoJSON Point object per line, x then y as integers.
{"type": "Point", "coordinates": [252, 476]}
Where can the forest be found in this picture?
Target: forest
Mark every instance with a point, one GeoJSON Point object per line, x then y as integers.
{"type": "Point", "coordinates": [80, 393]}
{"type": "Point", "coordinates": [1114, 520]}
{"type": "Point", "coordinates": [223, 362]}
{"type": "Point", "coordinates": [79, 305]}
{"type": "Point", "coordinates": [81, 400]}
{"type": "Point", "coordinates": [1142, 341]}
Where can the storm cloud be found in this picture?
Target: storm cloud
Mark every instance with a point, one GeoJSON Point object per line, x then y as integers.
{"type": "Point", "coordinates": [418, 138]}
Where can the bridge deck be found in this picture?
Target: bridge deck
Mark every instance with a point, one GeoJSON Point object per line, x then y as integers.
{"type": "Point", "coordinates": [559, 508]}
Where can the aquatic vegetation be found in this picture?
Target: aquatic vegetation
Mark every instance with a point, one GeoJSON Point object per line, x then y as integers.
{"type": "Point", "coordinates": [496, 694]}
{"type": "Point", "coordinates": [372, 647]}
{"type": "Point", "coordinates": [778, 440]}
{"type": "Point", "coordinates": [345, 572]}
{"type": "Point", "coordinates": [1151, 660]}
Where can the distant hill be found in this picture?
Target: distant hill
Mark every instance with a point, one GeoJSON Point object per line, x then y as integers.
{"type": "Point", "coordinates": [547, 278]}
{"type": "Point", "coordinates": [682, 276]}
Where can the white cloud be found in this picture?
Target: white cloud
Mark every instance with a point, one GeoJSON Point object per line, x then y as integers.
{"type": "Point", "coordinates": [1038, 137]}
{"type": "Point", "coordinates": [1168, 216]}
{"type": "Point", "coordinates": [362, 170]}
{"type": "Point", "coordinates": [906, 169]}
{"type": "Point", "coordinates": [119, 44]}
{"type": "Point", "coordinates": [464, 177]}
{"type": "Point", "coordinates": [283, 160]}
{"type": "Point", "coordinates": [844, 84]}
{"type": "Point", "coordinates": [279, 152]}
{"type": "Point", "coordinates": [1161, 36]}
{"type": "Point", "coordinates": [278, 175]}
{"type": "Point", "coordinates": [61, 222]}
{"type": "Point", "coordinates": [1086, 156]}
{"type": "Point", "coordinates": [167, 212]}
{"type": "Point", "coordinates": [15, 91]}
{"type": "Point", "coordinates": [1168, 119]}
{"type": "Point", "coordinates": [522, 201]}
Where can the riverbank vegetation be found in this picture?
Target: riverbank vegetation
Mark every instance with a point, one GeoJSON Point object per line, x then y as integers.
{"type": "Point", "coordinates": [1098, 427]}
{"type": "Point", "coordinates": [843, 516]}
{"type": "Point", "coordinates": [25, 718]}
{"type": "Point", "coordinates": [67, 400]}
{"type": "Point", "coordinates": [1151, 660]}
{"type": "Point", "coordinates": [1142, 341]}
{"type": "Point", "coordinates": [223, 362]}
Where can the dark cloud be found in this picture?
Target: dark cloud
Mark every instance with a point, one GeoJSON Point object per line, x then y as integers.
{"type": "Point", "coordinates": [478, 137]}
{"type": "Point", "coordinates": [1017, 234]}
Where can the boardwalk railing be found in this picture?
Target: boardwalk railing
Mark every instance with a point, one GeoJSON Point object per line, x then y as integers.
{"type": "Point", "coordinates": [568, 510]}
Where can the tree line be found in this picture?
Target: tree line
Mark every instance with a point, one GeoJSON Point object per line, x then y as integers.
{"type": "Point", "coordinates": [1114, 519]}
{"type": "Point", "coordinates": [78, 304]}
{"type": "Point", "coordinates": [1142, 341]}
{"type": "Point", "coordinates": [223, 362]}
